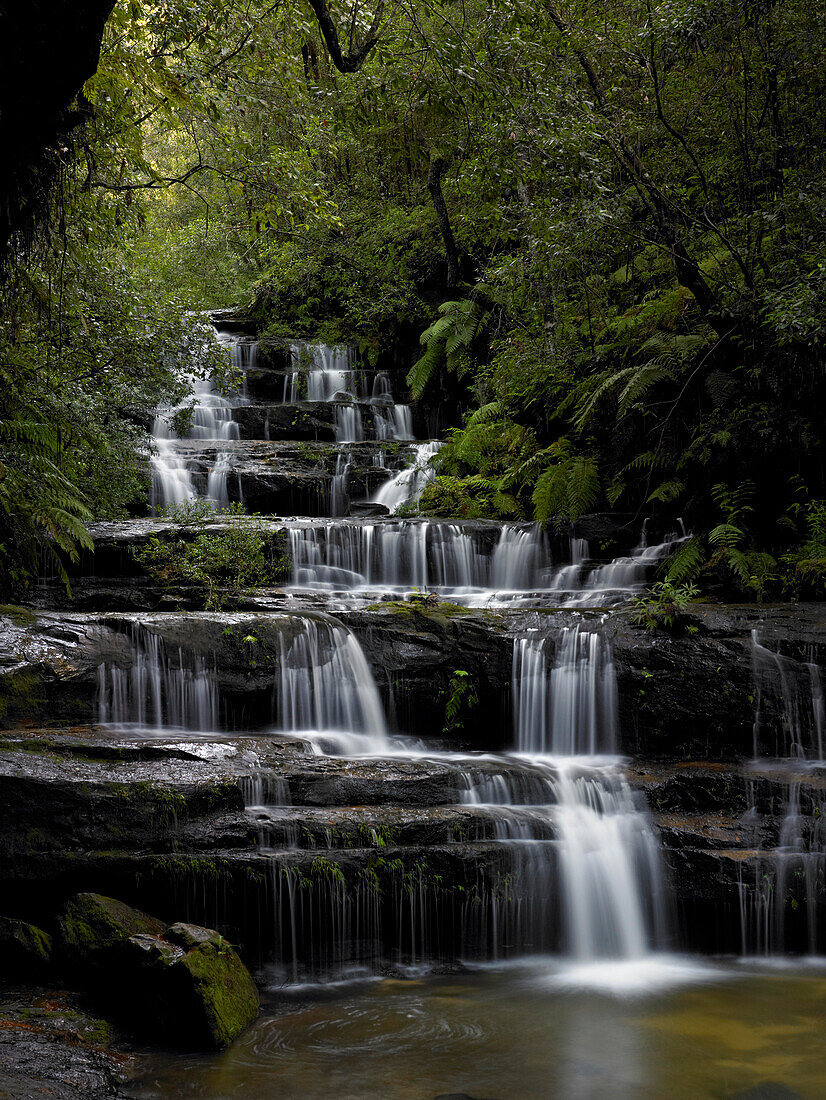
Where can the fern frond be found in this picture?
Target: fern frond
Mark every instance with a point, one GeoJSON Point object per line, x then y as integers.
{"type": "Point", "coordinates": [684, 564]}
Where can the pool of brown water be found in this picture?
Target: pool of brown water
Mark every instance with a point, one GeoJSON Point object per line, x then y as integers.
{"type": "Point", "coordinates": [649, 1030]}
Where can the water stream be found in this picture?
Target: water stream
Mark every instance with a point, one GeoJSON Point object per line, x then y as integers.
{"type": "Point", "coordinates": [782, 909]}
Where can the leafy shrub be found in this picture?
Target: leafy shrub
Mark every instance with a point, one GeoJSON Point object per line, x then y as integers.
{"type": "Point", "coordinates": [225, 563]}
{"type": "Point", "coordinates": [806, 564]}
{"type": "Point", "coordinates": [664, 607]}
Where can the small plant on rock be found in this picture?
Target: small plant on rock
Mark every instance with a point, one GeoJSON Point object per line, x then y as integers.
{"type": "Point", "coordinates": [664, 607]}
{"type": "Point", "coordinates": [461, 701]}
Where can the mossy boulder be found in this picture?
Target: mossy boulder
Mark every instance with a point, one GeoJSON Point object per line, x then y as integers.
{"type": "Point", "coordinates": [25, 949]}
{"type": "Point", "coordinates": [190, 987]}
{"type": "Point", "coordinates": [92, 925]}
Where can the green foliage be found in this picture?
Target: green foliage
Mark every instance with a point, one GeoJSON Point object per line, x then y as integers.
{"type": "Point", "coordinates": [448, 343]}
{"type": "Point", "coordinates": [225, 564]}
{"type": "Point", "coordinates": [664, 607]}
{"type": "Point", "coordinates": [568, 488]}
{"type": "Point", "coordinates": [806, 564]}
{"type": "Point", "coordinates": [461, 701]}
{"type": "Point", "coordinates": [647, 322]}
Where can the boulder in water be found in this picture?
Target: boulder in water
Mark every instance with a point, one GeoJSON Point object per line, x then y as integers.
{"type": "Point", "coordinates": [188, 986]}
{"type": "Point", "coordinates": [25, 950]}
{"type": "Point", "coordinates": [182, 983]}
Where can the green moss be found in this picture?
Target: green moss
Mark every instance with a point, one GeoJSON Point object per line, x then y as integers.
{"type": "Point", "coordinates": [22, 616]}
{"type": "Point", "coordinates": [91, 924]}
{"type": "Point", "coordinates": [228, 999]}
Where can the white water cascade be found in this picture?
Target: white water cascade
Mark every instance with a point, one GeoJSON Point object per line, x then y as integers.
{"type": "Point", "coordinates": [567, 811]}
{"type": "Point", "coordinates": [407, 486]}
{"type": "Point", "coordinates": [157, 691]}
{"type": "Point", "coordinates": [212, 421]}
{"type": "Point", "coordinates": [320, 372]}
{"type": "Point", "coordinates": [471, 563]}
{"type": "Point", "coordinates": [325, 689]}
{"type": "Point", "coordinates": [784, 908]}
{"type": "Point", "coordinates": [456, 560]}
{"type": "Point", "coordinates": [569, 709]}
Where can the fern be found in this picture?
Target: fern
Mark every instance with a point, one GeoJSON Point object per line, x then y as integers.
{"type": "Point", "coordinates": [448, 342]}
{"type": "Point", "coordinates": [568, 488]}
{"type": "Point", "coordinates": [685, 563]}
{"type": "Point", "coordinates": [667, 492]}
{"type": "Point", "coordinates": [725, 536]}
{"type": "Point", "coordinates": [642, 380]}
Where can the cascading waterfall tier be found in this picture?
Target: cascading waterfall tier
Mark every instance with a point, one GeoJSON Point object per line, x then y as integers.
{"type": "Point", "coordinates": [782, 909]}
{"type": "Point", "coordinates": [156, 690]}
{"type": "Point", "coordinates": [407, 486]}
{"type": "Point", "coordinates": [570, 708]}
{"type": "Point", "coordinates": [609, 862]}
{"type": "Point", "coordinates": [330, 374]}
{"type": "Point", "coordinates": [173, 481]}
{"type": "Point", "coordinates": [572, 860]}
{"type": "Point", "coordinates": [325, 688]}
{"type": "Point", "coordinates": [417, 554]}
{"type": "Point", "coordinates": [584, 857]}
{"type": "Point", "coordinates": [472, 563]}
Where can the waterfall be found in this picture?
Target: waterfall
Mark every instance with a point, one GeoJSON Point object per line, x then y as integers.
{"type": "Point", "coordinates": [783, 910]}
{"type": "Point", "coordinates": [605, 856]}
{"type": "Point", "coordinates": [423, 554]}
{"type": "Point", "coordinates": [324, 370]}
{"type": "Point", "coordinates": [520, 559]}
{"type": "Point", "coordinates": [157, 691]}
{"type": "Point", "coordinates": [393, 422]}
{"type": "Point", "coordinates": [348, 424]}
{"type": "Point", "coordinates": [569, 709]}
{"type": "Point", "coordinates": [329, 374]}
{"type": "Point", "coordinates": [338, 487]}
{"type": "Point", "coordinates": [792, 691]}
{"type": "Point", "coordinates": [212, 421]}
{"type": "Point", "coordinates": [407, 486]}
{"type": "Point", "coordinates": [324, 686]}
{"type": "Point", "coordinates": [616, 579]}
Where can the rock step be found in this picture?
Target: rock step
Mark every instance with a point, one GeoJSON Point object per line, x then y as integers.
{"type": "Point", "coordinates": [275, 479]}
{"type": "Point", "coordinates": [305, 421]}
{"type": "Point", "coordinates": [351, 827]}
{"type": "Point", "coordinates": [688, 698]}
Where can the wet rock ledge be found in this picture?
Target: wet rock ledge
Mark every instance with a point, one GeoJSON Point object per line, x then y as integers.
{"type": "Point", "coordinates": [680, 698]}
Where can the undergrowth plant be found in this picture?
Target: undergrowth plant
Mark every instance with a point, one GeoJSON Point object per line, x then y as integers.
{"type": "Point", "coordinates": [225, 564]}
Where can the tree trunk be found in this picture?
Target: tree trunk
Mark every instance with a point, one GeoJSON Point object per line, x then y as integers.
{"type": "Point", "coordinates": [351, 61]}
{"type": "Point", "coordinates": [438, 167]}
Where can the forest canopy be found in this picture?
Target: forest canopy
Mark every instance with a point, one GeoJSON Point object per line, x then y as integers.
{"type": "Point", "coordinates": [593, 231]}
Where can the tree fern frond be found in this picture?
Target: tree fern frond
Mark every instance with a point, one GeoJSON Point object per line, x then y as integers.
{"type": "Point", "coordinates": [684, 564]}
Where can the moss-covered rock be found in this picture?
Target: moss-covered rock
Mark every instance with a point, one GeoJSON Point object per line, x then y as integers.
{"type": "Point", "coordinates": [92, 925]}
{"type": "Point", "coordinates": [189, 988]}
{"type": "Point", "coordinates": [224, 999]}
{"type": "Point", "coordinates": [25, 950]}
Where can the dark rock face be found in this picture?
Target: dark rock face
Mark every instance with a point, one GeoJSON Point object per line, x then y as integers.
{"type": "Point", "coordinates": [63, 41]}
{"type": "Point", "coordinates": [52, 1048]}
{"type": "Point", "coordinates": [680, 697]}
